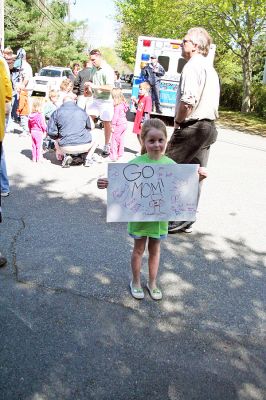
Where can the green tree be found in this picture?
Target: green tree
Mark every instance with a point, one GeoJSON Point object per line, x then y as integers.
{"type": "Point", "coordinates": [43, 32]}
{"type": "Point", "coordinates": [234, 24]}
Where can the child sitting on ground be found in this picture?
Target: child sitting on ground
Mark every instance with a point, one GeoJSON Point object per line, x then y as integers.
{"type": "Point", "coordinates": [50, 106]}
{"type": "Point", "coordinates": [48, 109]}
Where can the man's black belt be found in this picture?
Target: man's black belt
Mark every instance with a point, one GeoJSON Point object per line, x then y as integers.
{"type": "Point", "coordinates": [193, 121]}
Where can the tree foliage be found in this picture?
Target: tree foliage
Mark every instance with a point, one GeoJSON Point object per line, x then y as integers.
{"type": "Point", "coordinates": [235, 26]}
{"type": "Point", "coordinates": [43, 32]}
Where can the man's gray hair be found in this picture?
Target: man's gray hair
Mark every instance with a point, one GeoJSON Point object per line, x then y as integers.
{"type": "Point", "coordinates": [200, 37]}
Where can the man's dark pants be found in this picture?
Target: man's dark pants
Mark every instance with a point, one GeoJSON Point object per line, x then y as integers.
{"type": "Point", "coordinates": [191, 143]}
{"type": "Point", "coordinates": [155, 94]}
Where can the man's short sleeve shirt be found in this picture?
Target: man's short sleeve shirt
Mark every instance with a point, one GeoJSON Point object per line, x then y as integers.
{"type": "Point", "coordinates": [102, 76]}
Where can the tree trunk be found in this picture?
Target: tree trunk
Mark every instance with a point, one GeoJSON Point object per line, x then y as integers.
{"type": "Point", "coordinates": [247, 77]}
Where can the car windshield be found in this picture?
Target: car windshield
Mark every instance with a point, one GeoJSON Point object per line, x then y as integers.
{"type": "Point", "coordinates": [50, 72]}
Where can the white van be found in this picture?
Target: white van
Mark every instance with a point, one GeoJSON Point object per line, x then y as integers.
{"type": "Point", "coordinates": [50, 78]}
{"type": "Point", "coordinates": [168, 52]}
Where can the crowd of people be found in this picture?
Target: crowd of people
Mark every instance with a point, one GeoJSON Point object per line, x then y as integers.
{"type": "Point", "coordinates": [68, 117]}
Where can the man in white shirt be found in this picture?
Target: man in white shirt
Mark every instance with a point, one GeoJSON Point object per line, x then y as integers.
{"type": "Point", "coordinates": [196, 109]}
{"type": "Point", "coordinates": [101, 85]}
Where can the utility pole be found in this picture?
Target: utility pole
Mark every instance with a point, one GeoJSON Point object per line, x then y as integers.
{"type": "Point", "coordinates": [68, 10]}
{"type": "Point", "coordinates": [2, 26]}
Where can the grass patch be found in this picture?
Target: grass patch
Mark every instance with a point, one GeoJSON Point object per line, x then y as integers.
{"type": "Point", "coordinates": [249, 123]}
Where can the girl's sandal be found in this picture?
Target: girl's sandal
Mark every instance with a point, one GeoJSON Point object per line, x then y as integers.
{"type": "Point", "coordinates": [136, 292]}
{"type": "Point", "coordinates": [155, 293]}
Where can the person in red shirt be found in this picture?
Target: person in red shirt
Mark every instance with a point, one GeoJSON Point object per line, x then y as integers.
{"type": "Point", "coordinates": [144, 107]}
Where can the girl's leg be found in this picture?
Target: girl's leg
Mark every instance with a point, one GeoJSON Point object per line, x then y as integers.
{"type": "Point", "coordinates": [33, 142]}
{"type": "Point", "coordinates": [154, 247]}
{"type": "Point", "coordinates": [39, 141]}
{"type": "Point", "coordinates": [120, 151]}
{"type": "Point", "coordinates": [113, 147]}
{"type": "Point", "coordinates": [24, 123]}
{"type": "Point", "coordinates": [136, 259]}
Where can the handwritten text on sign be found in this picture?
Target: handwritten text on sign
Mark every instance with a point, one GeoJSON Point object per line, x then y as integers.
{"type": "Point", "coordinates": [152, 192]}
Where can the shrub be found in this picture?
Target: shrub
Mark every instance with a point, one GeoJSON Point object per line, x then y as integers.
{"type": "Point", "coordinates": [231, 95]}
{"type": "Point", "coordinates": [258, 99]}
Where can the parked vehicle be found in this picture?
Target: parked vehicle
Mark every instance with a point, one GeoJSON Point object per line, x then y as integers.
{"type": "Point", "coordinates": [129, 78]}
{"type": "Point", "coordinates": [49, 78]}
{"type": "Point", "coordinates": [169, 54]}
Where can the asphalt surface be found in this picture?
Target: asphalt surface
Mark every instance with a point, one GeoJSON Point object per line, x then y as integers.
{"type": "Point", "coordinates": [69, 327]}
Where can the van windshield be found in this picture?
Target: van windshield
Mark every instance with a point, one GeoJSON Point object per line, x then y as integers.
{"type": "Point", "coordinates": [50, 72]}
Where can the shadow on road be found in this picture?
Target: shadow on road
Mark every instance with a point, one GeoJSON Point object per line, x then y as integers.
{"type": "Point", "coordinates": [71, 330]}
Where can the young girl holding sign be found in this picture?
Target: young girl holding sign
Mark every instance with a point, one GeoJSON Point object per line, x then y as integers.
{"type": "Point", "coordinates": [153, 140]}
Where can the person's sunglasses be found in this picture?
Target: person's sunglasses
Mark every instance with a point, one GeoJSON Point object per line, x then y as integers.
{"type": "Point", "coordinates": [187, 41]}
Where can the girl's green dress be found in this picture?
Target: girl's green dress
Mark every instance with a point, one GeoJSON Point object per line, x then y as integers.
{"type": "Point", "coordinates": [152, 229]}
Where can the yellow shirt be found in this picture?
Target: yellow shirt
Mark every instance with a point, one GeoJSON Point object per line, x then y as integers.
{"type": "Point", "coordinates": [5, 97]}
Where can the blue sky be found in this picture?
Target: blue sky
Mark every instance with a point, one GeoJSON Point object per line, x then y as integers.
{"type": "Point", "coordinates": [97, 12]}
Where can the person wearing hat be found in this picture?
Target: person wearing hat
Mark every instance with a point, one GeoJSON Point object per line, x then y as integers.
{"type": "Point", "coordinates": [25, 70]}
{"type": "Point", "coordinates": [153, 74]}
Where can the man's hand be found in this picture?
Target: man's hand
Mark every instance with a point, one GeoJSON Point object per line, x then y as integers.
{"type": "Point", "coordinates": [184, 110]}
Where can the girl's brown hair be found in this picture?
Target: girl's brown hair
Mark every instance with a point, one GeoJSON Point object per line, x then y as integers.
{"type": "Point", "coordinates": [118, 96]}
{"type": "Point", "coordinates": [155, 123]}
{"type": "Point", "coordinates": [37, 105]}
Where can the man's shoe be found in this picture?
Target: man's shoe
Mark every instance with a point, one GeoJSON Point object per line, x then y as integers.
{"type": "Point", "coordinates": [67, 161]}
{"type": "Point", "coordinates": [4, 194]}
{"type": "Point", "coordinates": [159, 111]}
{"type": "Point", "coordinates": [106, 149]}
{"type": "Point", "coordinates": [3, 261]}
{"type": "Point", "coordinates": [178, 226]}
{"type": "Point", "coordinates": [187, 229]}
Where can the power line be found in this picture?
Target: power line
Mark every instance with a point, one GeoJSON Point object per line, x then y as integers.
{"type": "Point", "coordinates": [46, 8]}
{"type": "Point", "coordinates": [52, 21]}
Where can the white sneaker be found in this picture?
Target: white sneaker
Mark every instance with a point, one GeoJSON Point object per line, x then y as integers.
{"type": "Point", "coordinates": [4, 194]}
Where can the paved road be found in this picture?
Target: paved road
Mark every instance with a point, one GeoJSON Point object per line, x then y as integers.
{"type": "Point", "coordinates": [69, 328]}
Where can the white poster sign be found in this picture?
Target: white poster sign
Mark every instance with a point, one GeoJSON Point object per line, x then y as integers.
{"type": "Point", "coordinates": [152, 192]}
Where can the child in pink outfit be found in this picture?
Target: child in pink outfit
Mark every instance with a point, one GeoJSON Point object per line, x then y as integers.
{"type": "Point", "coordinates": [119, 124]}
{"type": "Point", "coordinates": [37, 128]}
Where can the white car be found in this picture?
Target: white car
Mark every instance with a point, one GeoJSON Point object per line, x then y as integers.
{"type": "Point", "coordinates": [49, 78]}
